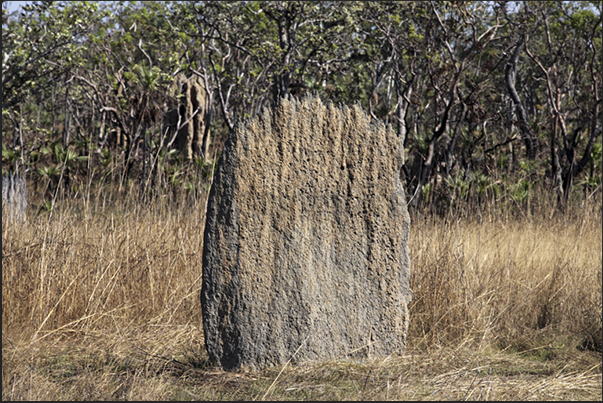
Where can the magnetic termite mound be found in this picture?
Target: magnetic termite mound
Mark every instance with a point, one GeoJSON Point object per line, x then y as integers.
{"type": "Point", "coordinates": [305, 251]}
{"type": "Point", "coordinates": [190, 117]}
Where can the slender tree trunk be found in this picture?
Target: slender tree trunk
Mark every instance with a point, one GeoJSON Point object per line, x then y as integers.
{"type": "Point", "coordinates": [555, 165]}
{"type": "Point", "coordinates": [283, 80]}
{"type": "Point", "coordinates": [452, 144]}
{"type": "Point", "coordinates": [145, 157]}
{"type": "Point", "coordinates": [438, 132]}
{"type": "Point", "coordinates": [67, 117]}
{"type": "Point", "coordinates": [52, 108]}
{"type": "Point", "coordinates": [404, 94]}
{"type": "Point", "coordinates": [18, 140]}
{"type": "Point", "coordinates": [510, 75]}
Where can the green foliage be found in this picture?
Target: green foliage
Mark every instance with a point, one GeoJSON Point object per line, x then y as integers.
{"type": "Point", "coordinates": [42, 44]}
{"type": "Point", "coordinates": [49, 172]}
{"type": "Point", "coordinates": [521, 191]}
{"type": "Point", "coordinates": [8, 155]}
{"type": "Point", "coordinates": [597, 156]}
{"type": "Point", "coordinates": [86, 85]}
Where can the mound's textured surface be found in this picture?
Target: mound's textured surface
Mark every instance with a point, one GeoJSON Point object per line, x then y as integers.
{"type": "Point", "coordinates": [306, 240]}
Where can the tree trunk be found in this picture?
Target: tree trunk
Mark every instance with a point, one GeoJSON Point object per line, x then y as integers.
{"type": "Point", "coordinates": [404, 94]}
{"type": "Point", "coordinates": [438, 132]}
{"type": "Point", "coordinates": [510, 75]}
{"type": "Point", "coordinates": [555, 165]}
{"type": "Point", "coordinates": [67, 121]}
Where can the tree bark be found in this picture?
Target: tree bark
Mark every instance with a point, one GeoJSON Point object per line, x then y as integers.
{"type": "Point", "coordinates": [510, 75]}
{"type": "Point", "coordinates": [404, 94]}
{"type": "Point", "coordinates": [438, 132]}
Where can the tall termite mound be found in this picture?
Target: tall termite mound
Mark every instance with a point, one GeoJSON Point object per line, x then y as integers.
{"type": "Point", "coordinates": [306, 240]}
{"type": "Point", "coordinates": [190, 118]}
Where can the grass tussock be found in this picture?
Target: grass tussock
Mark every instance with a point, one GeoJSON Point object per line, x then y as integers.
{"type": "Point", "coordinates": [102, 302]}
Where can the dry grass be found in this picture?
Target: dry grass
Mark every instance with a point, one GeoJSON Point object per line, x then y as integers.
{"type": "Point", "coordinates": [501, 283]}
{"type": "Point", "coordinates": [102, 303]}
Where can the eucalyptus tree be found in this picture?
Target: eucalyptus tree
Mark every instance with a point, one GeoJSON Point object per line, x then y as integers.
{"type": "Point", "coordinates": [466, 84]}
{"type": "Point", "coordinates": [41, 46]}
{"type": "Point", "coordinates": [258, 52]}
{"type": "Point", "coordinates": [567, 61]}
{"type": "Point", "coordinates": [431, 52]}
{"type": "Point", "coordinates": [134, 59]}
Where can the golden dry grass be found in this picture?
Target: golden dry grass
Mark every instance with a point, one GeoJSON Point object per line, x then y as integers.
{"type": "Point", "coordinates": [499, 281]}
{"type": "Point", "coordinates": [102, 303]}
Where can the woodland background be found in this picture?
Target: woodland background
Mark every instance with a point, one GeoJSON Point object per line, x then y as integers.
{"type": "Point", "coordinates": [496, 103]}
